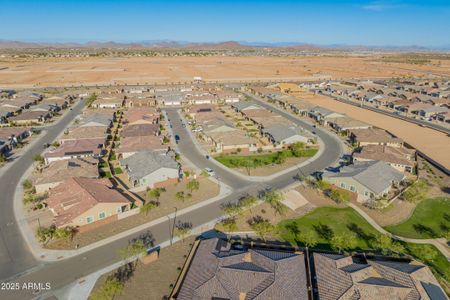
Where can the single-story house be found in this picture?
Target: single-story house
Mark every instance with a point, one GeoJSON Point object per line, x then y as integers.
{"type": "Point", "coordinates": [432, 111]}
{"type": "Point", "coordinates": [78, 133]}
{"type": "Point", "coordinates": [150, 169]}
{"type": "Point", "coordinates": [217, 271]}
{"type": "Point", "coordinates": [30, 118]}
{"type": "Point", "coordinates": [108, 102]}
{"type": "Point", "coordinates": [368, 179]}
{"type": "Point", "coordinates": [88, 201]}
{"type": "Point", "coordinates": [140, 130]}
{"type": "Point", "coordinates": [232, 141]}
{"type": "Point", "coordinates": [282, 135]}
{"type": "Point", "coordinates": [374, 136]}
{"type": "Point", "coordinates": [344, 124]}
{"type": "Point", "coordinates": [58, 171]}
{"type": "Point", "coordinates": [76, 149]}
{"type": "Point", "coordinates": [94, 120]}
{"type": "Point", "coordinates": [131, 145]}
{"type": "Point", "coordinates": [402, 159]}
{"type": "Point", "coordinates": [322, 114]}
{"type": "Point", "coordinates": [345, 277]}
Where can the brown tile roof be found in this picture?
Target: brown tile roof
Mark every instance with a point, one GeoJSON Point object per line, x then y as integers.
{"type": "Point", "coordinates": [29, 115]}
{"type": "Point", "coordinates": [93, 146]}
{"type": "Point", "coordinates": [91, 132]}
{"type": "Point", "coordinates": [140, 130]}
{"type": "Point", "coordinates": [339, 277]}
{"type": "Point", "coordinates": [61, 170]}
{"type": "Point", "coordinates": [75, 196]}
{"type": "Point", "coordinates": [375, 135]}
{"type": "Point", "coordinates": [140, 143]}
{"type": "Point", "coordinates": [7, 132]}
{"type": "Point", "coordinates": [402, 156]}
{"type": "Point", "coordinates": [218, 272]}
{"type": "Point", "coordinates": [141, 115]}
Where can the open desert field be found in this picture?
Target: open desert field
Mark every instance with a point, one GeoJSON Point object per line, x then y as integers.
{"type": "Point", "coordinates": [16, 73]}
{"type": "Point", "coordinates": [433, 143]}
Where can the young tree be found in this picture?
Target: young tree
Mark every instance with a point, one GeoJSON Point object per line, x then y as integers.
{"type": "Point", "coordinates": [297, 149]}
{"type": "Point", "coordinates": [147, 207]}
{"type": "Point", "coordinates": [136, 248]}
{"type": "Point", "coordinates": [427, 253]}
{"type": "Point", "coordinates": [193, 185]}
{"type": "Point", "coordinates": [38, 158]}
{"type": "Point", "coordinates": [308, 238]}
{"type": "Point", "coordinates": [229, 224]}
{"type": "Point", "coordinates": [274, 198]}
{"type": "Point", "coordinates": [64, 233]}
{"type": "Point", "coordinates": [262, 228]}
{"type": "Point", "coordinates": [180, 196]}
{"type": "Point", "coordinates": [342, 242]}
{"type": "Point", "coordinates": [248, 201]}
{"type": "Point", "coordinates": [108, 290]}
{"type": "Point", "coordinates": [182, 230]}
{"type": "Point", "coordinates": [27, 185]}
{"type": "Point", "coordinates": [387, 246]}
{"type": "Point", "coordinates": [154, 193]}
{"type": "Point", "coordinates": [232, 209]}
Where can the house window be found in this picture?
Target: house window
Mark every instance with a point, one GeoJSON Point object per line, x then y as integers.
{"type": "Point", "coordinates": [102, 215]}
{"type": "Point", "coordinates": [352, 188]}
{"type": "Point", "coordinates": [119, 209]}
{"type": "Point", "coordinates": [89, 219]}
{"type": "Point", "coordinates": [342, 185]}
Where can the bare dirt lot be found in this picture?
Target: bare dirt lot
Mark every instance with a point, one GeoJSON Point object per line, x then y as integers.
{"type": "Point", "coordinates": [153, 281]}
{"type": "Point", "coordinates": [92, 71]}
{"type": "Point", "coordinates": [431, 142]}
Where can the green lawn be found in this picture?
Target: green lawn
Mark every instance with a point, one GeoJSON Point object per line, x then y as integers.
{"type": "Point", "coordinates": [328, 221]}
{"type": "Point", "coordinates": [118, 170]}
{"type": "Point", "coordinates": [259, 160]}
{"type": "Point", "coordinates": [430, 219]}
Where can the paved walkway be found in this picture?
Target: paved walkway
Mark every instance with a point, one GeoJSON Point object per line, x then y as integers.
{"type": "Point", "coordinates": [440, 244]}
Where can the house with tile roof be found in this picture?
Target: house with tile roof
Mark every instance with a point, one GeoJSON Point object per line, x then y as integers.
{"type": "Point", "coordinates": [218, 271]}
{"type": "Point", "coordinates": [345, 277]}
{"type": "Point", "coordinates": [81, 148]}
{"type": "Point", "coordinates": [88, 201]}
{"type": "Point", "coordinates": [402, 159]}
{"type": "Point", "coordinates": [374, 136]}
{"type": "Point", "coordinates": [56, 172]}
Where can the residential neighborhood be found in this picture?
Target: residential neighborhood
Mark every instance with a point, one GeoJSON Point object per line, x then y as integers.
{"type": "Point", "coordinates": [134, 155]}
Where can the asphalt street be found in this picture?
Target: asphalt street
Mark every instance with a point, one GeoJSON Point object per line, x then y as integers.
{"type": "Point", "coordinates": [66, 271]}
{"type": "Point", "coordinates": [15, 256]}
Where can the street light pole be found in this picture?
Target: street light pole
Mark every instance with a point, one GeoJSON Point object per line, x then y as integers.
{"type": "Point", "coordinates": [173, 226]}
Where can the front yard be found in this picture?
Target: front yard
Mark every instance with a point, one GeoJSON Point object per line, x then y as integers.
{"type": "Point", "coordinates": [167, 201]}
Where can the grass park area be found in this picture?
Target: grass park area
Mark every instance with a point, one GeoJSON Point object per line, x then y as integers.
{"type": "Point", "coordinates": [261, 160]}
{"type": "Point", "coordinates": [326, 223]}
{"type": "Point", "coordinates": [430, 219]}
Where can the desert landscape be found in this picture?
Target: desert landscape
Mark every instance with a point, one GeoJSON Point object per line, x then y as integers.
{"type": "Point", "coordinates": [73, 71]}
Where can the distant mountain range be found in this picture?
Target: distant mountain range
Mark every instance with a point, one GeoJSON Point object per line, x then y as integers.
{"type": "Point", "coordinates": [228, 45]}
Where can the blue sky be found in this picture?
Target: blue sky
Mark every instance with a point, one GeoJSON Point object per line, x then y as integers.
{"type": "Point", "coordinates": [385, 22]}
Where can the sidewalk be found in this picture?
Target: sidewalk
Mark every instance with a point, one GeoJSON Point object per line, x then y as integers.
{"type": "Point", "coordinates": [440, 243]}
{"type": "Point", "coordinates": [49, 255]}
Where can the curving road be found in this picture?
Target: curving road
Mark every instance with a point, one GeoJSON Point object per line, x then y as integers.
{"type": "Point", "coordinates": [69, 270]}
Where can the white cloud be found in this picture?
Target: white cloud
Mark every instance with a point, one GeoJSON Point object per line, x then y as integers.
{"type": "Point", "coordinates": [379, 6]}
